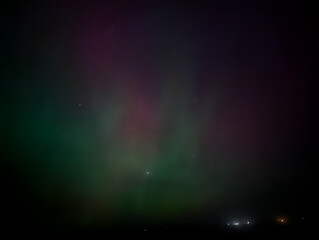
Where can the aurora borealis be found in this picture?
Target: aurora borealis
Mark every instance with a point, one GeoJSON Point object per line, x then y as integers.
{"type": "Point", "coordinates": [125, 112]}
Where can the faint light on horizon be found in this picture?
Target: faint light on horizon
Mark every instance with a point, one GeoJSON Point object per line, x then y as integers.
{"type": "Point", "coordinates": [239, 223]}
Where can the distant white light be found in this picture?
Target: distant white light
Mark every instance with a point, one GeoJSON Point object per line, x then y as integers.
{"type": "Point", "coordinates": [228, 224]}
{"type": "Point", "coordinates": [236, 223]}
{"type": "Point", "coordinates": [148, 173]}
{"type": "Point", "coordinates": [247, 222]}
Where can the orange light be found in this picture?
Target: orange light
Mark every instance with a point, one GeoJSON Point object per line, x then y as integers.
{"type": "Point", "coordinates": [282, 220]}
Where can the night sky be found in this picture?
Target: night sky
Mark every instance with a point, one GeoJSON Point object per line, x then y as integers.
{"type": "Point", "coordinates": [156, 113]}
